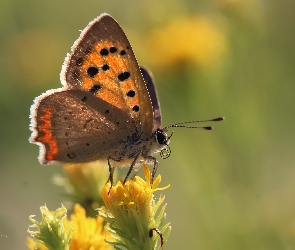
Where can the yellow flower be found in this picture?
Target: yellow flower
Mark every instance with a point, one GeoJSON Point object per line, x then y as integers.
{"type": "Point", "coordinates": [83, 233]}
{"type": "Point", "coordinates": [185, 41]}
{"type": "Point", "coordinates": [88, 233]}
{"type": "Point", "coordinates": [131, 213]}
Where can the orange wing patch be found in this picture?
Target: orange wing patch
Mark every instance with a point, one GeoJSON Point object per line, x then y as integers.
{"type": "Point", "coordinates": [45, 129]}
{"type": "Point", "coordinates": [106, 72]}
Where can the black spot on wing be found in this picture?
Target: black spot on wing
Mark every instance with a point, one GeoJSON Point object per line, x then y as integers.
{"type": "Point", "coordinates": [113, 50]}
{"type": "Point", "coordinates": [95, 88]}
{"type": "Point", "coordinates": [92, 71]}
{"type": "Point", "coordinates": [104, 52]}
{"type": "Point", "coordinates": [105, 67]}
{"type": "Point", "coordinates": [135, 108]}
{"type": "Point", "coordinates": [131, 93]}
{"type": "Point", "coordinates": [124, 76]}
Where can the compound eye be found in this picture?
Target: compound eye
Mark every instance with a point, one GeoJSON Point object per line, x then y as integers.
{"type": "Point", "coordinates": [161, 137]}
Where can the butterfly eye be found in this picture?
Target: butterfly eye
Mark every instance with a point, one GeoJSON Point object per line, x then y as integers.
{"type": "Point", "coordinates": [161, 136]}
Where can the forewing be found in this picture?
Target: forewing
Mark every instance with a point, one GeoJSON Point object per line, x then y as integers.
{"type": "Point", "coordinates": [103, 63]}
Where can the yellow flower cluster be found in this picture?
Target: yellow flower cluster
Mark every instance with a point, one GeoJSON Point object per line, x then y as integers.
{"type": "Point", "coordinates": [131, 212]}
{"type": "Point", "coordinates": [86, 233]}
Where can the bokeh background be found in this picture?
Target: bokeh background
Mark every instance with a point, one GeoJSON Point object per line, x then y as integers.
{"type": "Point", "coordinates": [231, 188]}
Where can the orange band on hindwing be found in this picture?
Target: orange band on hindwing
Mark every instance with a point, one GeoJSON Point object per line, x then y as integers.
{"type": "Point", "coordinates": [45, 134]}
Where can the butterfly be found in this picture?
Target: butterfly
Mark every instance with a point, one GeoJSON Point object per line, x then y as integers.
{"type": "Point", "coordinates": [108, 108]}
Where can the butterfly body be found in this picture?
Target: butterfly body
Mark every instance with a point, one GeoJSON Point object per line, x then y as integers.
{"type": "Point", "coordinates": [107, 109]}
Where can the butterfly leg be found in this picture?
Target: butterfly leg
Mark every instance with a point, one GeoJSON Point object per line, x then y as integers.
{"type": "Point", "coordinates": [111, 171]}
{"type": "Point", "coordinates": [132, 165]}
{"type": "Point", "coordinates": [156, 163]}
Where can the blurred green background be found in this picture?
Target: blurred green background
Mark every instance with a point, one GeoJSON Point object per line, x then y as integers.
{"type": "Point", "coordinates": [231, 188]}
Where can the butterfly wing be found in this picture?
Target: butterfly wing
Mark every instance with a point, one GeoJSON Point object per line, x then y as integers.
{"type": "Point", "coordinates": [151, 86]}
{"type": "Point", "coordinates": [103, 63]}
{"type": "Point", "coordinates": [75, 126]}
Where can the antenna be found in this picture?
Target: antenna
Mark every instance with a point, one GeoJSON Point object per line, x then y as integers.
{"type": "Point", "coordinates": [181, 124]}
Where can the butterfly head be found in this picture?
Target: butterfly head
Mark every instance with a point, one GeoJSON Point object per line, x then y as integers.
{"type": "Point", "coordinates": [162, 140]}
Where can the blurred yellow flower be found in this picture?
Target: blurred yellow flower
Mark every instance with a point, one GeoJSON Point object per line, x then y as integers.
{"type": "Point", "coordinates": [86, 233]}
{"type": "Point", "coordinates": [185, 41]}
{"type": "Point", "coordinates": [83, 183]}
{"type": "Point", "coordinates": [130, 212]}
